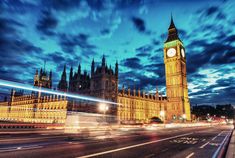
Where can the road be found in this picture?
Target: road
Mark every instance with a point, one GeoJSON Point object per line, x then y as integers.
{"type": "Point", "coordinates": [194, 142]}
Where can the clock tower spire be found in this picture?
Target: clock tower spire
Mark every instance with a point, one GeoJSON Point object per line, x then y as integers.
{"type": "Point", "coordinates": [172, 32]}
{"type": "Point", "coordinates": [176, 75]}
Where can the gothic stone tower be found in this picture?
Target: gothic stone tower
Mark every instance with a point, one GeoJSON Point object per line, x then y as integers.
{"type": "Point", "coordinates": [104, 81]}
{"type": "Point", "coordinates": [43, 79]}
{"type": "Point", "coordinates": [176, 79]}
{"type": "Point", "coordinates": [63, 84]}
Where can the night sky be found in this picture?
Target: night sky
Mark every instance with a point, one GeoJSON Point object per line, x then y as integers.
{"type": "Point", "coordinates": [130, 31]}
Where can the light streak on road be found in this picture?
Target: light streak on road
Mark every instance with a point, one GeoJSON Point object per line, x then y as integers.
{"type": "Point", "coordinates": [133, 146]}
{"type": "Point", "coordinates": [48, 91]}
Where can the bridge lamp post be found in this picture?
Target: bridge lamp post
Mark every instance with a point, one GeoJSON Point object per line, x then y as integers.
{"type": "Point", "coordinates": [184, 117]}
{"type": "Point", "coordinates": [162, 114]}
{"type": "Point", "coordinates": [103, 108]}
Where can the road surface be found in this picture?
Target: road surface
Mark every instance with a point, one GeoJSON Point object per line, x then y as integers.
{"type": "Point", "coordinates": [194, 142]}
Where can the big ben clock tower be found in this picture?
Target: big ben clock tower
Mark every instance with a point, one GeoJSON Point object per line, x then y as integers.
{"type": "Point", "coordinates": [176, 75]}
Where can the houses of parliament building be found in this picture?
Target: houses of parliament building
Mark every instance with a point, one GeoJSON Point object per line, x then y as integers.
{"type": "Point", "coordinates": [134, 106]}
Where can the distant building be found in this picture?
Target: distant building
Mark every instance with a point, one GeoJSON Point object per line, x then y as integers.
{"type": "Point", "coordinates": [202, 111]}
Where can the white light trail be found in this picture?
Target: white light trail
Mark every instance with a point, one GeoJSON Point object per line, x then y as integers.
{"type": "Point", "coordinates": [48, 91]}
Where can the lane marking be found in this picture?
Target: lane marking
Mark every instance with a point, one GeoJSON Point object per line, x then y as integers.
{"type": "Point", "coordinates": [149, 156]}
{"type": "Point", "coordinates": [20, 148]}
{"type": "Point", "coordinates": [221, 133]}
{"type": "Point", "coordinates": [204, 145]}
{"type": "Point", "coordinates": [35, 138]}
{"type": "Point", "coordinates": [164, 150]}
{"type": "Point", "coordinates": [190, 155]}
{"type": "Point", "coordinates": [217, 135]}
{"type": "Point", "coordinates": [220, 146]}
{"type": "Point", "coordinates": [133, 146]}
{"type": "Point", "coordinates": [214, 137]}
{"type": "Point", "coordinates": [201, 147]}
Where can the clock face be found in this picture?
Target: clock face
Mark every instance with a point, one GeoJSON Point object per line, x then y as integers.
{"type": "Point", "coordinates": [171, 52]}
{"type": "Point", "coordinates": [182, 52]}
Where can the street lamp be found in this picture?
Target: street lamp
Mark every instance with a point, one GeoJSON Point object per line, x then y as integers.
{"type": "Point", "coordinates": [162, 114]}
{"type": "Point", "coordinates": [184, 117]}
{"type": "Point", "coordinates": [103, 108]}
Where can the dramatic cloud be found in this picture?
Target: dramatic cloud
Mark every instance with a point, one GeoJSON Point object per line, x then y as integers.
{"type": "Point", "coordinates": [144, 50]}
{"type": "Point", "coordinates": [47, 23]}
{"type": "Point", "coordinates": [130, 31]}
{"type": "Point", "coordinates": [133, 63]}
{"type": "Point", "coordinates": [139, 24]}
{"type": "Point", "coordinates": [212, 10]}
{"type": "Point", "coordinates": [63, 5]}
{"type": "Point", "coordinates": [70, 42]}
{"type": "Point", "coordinates": [105, 31]}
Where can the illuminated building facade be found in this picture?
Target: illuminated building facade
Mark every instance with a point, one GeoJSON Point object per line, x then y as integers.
{"type": "Point", "coordinates": [133, 106]}
{"type": "Point", "coordinates": [138, 107]}
{"type": "Point", "coordinates": [176, 75]}
{"type": "Point", "coordinates": [34, 108]}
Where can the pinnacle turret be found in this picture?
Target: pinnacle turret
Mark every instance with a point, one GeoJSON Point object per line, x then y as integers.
{"type": "Point", "coordinates": [103, 61]}
{"type": "Point", "coordinates": [79, 69]}
{"type": "Point", "coordinates": [92, 67]}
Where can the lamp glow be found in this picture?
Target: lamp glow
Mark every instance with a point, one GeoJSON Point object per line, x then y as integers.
{"type": "Point", "coordinates": [103, 107]}
{"type": "Point", "coordinates": [162, 113]}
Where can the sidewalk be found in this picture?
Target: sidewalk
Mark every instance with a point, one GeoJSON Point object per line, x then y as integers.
{"type": "Point", "coordinates": [231, 148]}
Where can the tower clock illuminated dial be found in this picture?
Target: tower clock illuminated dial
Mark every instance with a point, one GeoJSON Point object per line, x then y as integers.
{"type": "Point", "coordinates": [171, 52]}
{"type": "Point", "coordinates": [182, 52]}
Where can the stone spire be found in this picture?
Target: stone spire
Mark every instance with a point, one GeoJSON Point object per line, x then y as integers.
{"type": "Point", "coordinates": [63, 82]}
{"type": "Point", "coordinates": [71, 79]}
{"type": "Point", "coordinates": [172, 32]}
{"type": "Point", "coordinates": [40, 75]}
{"type": "Point", "coordinates": [50, 78]}
{"type": "Point", "coordinates": [103, 66]}
{"type": "Point", "coordinates": [79, 69]}
{"type": "Point", "coordinates": [134, 92]}
{"type": "Point", "coordinates": [64, 73]}
{"type": "Point", "coordinates": [71, 74]}
{"type": "Point", "coordinates": [116, 69]}
{"type": "Point", "coordinates": [123, 90]}
{"type": "Point", "coordinates": [103, 61]}
{"type": "Point", "coordinates": [139, 92]}
{"type": "Point", "coordinates": [157, 94]}
{"type": "Point", "coordinates": [93, 67]}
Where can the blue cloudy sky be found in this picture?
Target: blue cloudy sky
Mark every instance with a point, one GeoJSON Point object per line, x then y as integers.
{"type": "Point", "coordinates": [130, 31]}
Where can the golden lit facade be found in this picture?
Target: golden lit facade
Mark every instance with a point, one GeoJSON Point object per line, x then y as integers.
{"type": "Point", "coordinates": [34, 109]}
{"type": "Point", "coordinates": [140, 107]}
